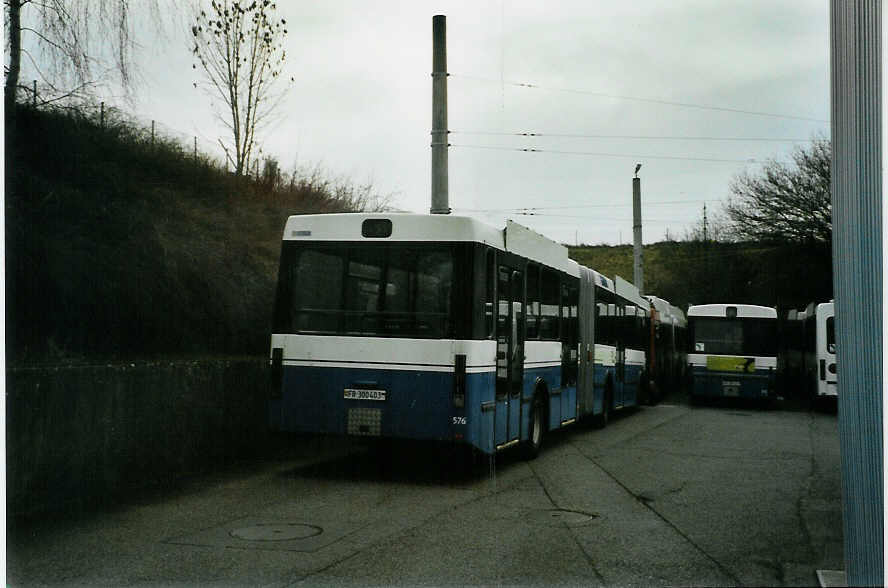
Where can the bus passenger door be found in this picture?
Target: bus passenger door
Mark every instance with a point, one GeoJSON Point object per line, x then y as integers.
{"type": "Point", "coordinates": [509, 354]}
{"type": "Point", "coordinates": [620, 374]}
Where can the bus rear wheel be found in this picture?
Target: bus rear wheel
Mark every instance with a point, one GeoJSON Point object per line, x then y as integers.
{"type": "Point", "coordinates": [653, 392]}
{"type": "Point", "coordinates": [600, 421]}
{"type": "Point", "coordinates": [531, 447]}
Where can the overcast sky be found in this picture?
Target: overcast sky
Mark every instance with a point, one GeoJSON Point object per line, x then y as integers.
{"type": "Point", "coordinates": [360, 105]}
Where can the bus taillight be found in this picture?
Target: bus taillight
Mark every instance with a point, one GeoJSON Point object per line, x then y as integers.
{"type": "Point", "coordinates": [459, 381]}
{"type": "Point", "coordinates": [277, 371]}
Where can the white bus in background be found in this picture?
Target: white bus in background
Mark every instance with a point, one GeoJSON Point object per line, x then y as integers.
{"type": "Point", "coordinates": [732, 350]}
{"type": "Point", "coordinates": [819, 350]}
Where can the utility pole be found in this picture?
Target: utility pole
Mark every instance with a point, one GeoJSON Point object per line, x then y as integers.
{"type": "Point", "coordinates": [440, 199]}
{"type": "Point", "coordinates": [707, 288]}
{"type": "Point", "coordinates": [637, 249]}
{"type": "Point", "coordinates": [705, 236]}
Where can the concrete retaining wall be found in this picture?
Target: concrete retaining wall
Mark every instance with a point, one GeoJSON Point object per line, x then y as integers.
{"type": "Point", "coordinates": [78, 436]}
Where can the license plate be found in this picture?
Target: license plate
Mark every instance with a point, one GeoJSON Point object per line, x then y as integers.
{"type": "Point", "coordinates": [731, 391]}
{"type": "Point", "coordinates": [357, 394]}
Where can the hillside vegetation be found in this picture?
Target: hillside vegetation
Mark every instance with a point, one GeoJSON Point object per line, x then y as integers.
{"type": "Point", "coordinates": [118, 245]}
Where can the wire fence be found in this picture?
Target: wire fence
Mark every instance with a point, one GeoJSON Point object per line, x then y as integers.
{"type": "Point", "coordinates": [150, 131]}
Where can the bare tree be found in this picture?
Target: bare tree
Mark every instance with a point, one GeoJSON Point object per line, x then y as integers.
{"type": "Point", "coordinates": [782, 203]}
{"type": "Point", "coordinates": [239, 44]}
{"type": "Point", "coordinates": [73, 45]}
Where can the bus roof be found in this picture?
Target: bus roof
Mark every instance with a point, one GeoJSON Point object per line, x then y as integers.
{"type": "Point", "coordinates": [413, 227]}
{"type": "Point", "coordinates": [815, 308]}
{"type": "Point", "coordinates": [743, 310]}
{"type": "Point", "coordinates": [630, 292]}
{"type": "Point", "coordinates": [601, 281]}
{"type": "Point", "coordinates": [668, 313]}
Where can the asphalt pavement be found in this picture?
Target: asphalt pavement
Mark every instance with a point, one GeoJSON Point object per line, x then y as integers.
{"type": "Point", "coordinates": [674, 494]}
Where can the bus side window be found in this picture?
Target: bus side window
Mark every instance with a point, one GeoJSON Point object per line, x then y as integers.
{"type": "Point", "coordinates": [569, 334]}
{"type": "Point", "coordinates": [565, 313]}
{"type": "Point", "coordinates": [490, 275]}
{"type": "Point", "coordinates": [604, 323]}
{"type": "Point", "coordinates": [574, 300]}
{"type": "Point", "coordinates": [533, 301]}
{"type": "Point", "coordinates": [549, 312]}
{"type": "Point", "coordinates": [569, 318]}
{"type": "Point", "coordinates": [831, 334]}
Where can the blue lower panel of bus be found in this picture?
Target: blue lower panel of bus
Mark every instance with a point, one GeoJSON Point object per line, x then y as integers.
{"type": "Point", "coordinates": [562, 400]}
{"type": "Point", "coordinates": [624, 392]}
{"type": "Point", "coordinates": [759, 384]}
{"type": "Point", "coordinates": [416, 405]}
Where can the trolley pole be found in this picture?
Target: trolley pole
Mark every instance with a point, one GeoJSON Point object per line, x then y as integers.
{"type": "Point", "coordinates": [637, 250]}
{"type": "Point", "coordinates": [440, 200]}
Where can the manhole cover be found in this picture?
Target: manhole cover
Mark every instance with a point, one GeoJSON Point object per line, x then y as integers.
{"type": "Point", "coordinates": [558, 517]}
{"type": "Point", "coordinates": [276, 532]}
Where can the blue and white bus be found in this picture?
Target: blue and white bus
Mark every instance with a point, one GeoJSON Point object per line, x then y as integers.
{"type": "Point", "coordinates": [733, 350]}
{"type": "Point", "coordinates": [439, 327]}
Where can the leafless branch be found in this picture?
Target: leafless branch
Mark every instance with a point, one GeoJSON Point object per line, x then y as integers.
{"type": "Point", "coordinates": [238, 46]}
{"type": "Point", "coordinates": [785, 203]}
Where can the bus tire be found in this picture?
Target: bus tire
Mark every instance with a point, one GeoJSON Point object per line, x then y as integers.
{"type": "Point", "coordinates": [531, 447]}
{"type": "Point", "coordinates": [600, 421]}
{"type": "Point", "coordinates": [653, 392]}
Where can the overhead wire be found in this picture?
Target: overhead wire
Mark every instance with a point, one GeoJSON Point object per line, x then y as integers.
{"type": "Point", "coordinates": [633, 137]}
{"type": "Point", "coordinates": [535, 211]}
{"type": "Point", "coordinates": [643, 99]}
{"type": "Point", "coordinates": [600, 154]}
{"type": "Point", "coordinates": [534, 208]}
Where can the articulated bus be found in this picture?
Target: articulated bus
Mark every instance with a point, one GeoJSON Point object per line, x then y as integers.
{"type": "Point", "coordinates": [810, 350]}
{"type": "Point", "coordinates": [733, 350]}
{"type": "Point", "coordinates": [441, 328]}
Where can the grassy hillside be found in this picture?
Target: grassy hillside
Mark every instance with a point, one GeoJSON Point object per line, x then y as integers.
{"type": "Point", "coordinates": [119, 246]}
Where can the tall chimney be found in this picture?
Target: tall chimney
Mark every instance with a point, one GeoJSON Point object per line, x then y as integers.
{"type": "Point", "coordinates": [637, 248]}
{"type": "Point", "coordinates": [440, 199]}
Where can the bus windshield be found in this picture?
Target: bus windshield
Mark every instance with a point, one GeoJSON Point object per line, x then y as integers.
{"type": "Point", "coordinates": [367, 289]}
{"type": "Point", "coordinates": [831, 334]}
{"type": "Point", "coordinates": [744, 336]}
